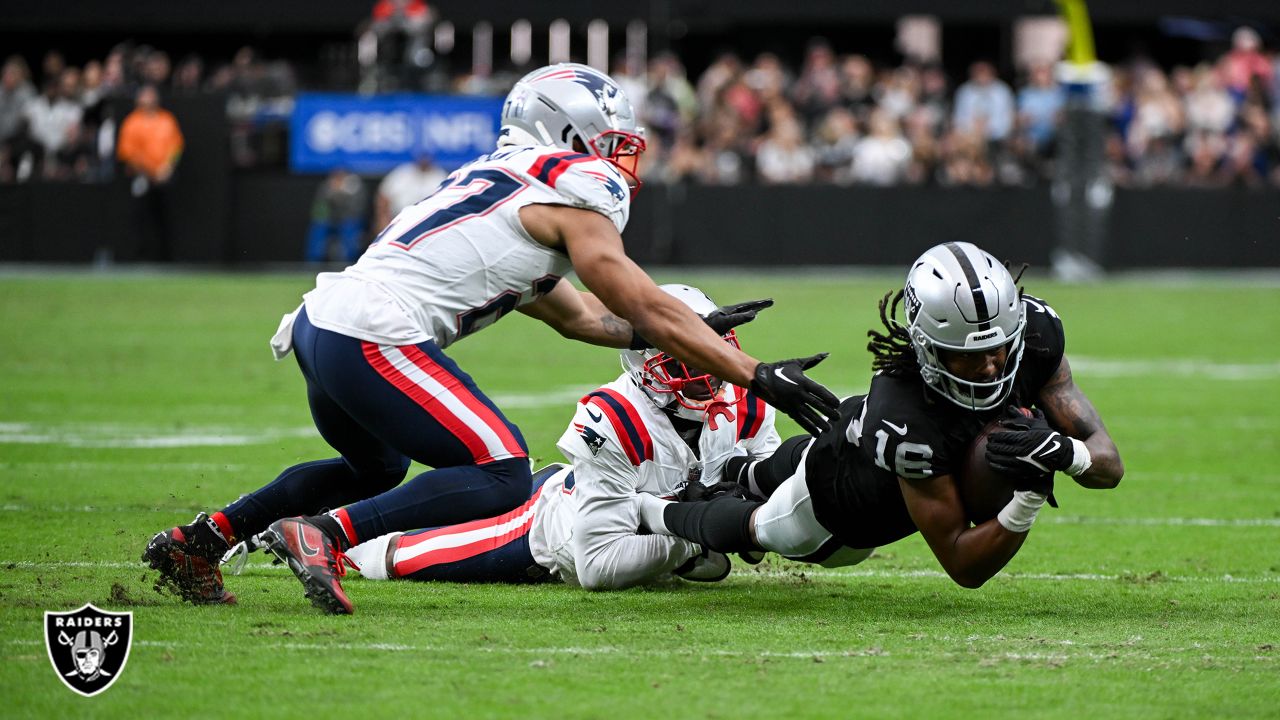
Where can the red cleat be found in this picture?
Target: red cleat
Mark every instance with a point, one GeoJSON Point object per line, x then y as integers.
{"type": "Point", "coordinates": [187, 558]}
{"type": "Point", "coordinates": [314, 559]}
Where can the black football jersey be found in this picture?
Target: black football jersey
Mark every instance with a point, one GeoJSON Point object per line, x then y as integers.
{"type": "Point", "coordinates": [901, 427]}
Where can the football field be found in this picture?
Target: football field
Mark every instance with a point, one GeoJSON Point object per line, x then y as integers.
{"type": "Point", "coordinates": [128, 402]}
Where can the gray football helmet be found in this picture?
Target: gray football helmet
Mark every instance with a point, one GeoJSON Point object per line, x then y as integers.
{"type": "Point", "coordinates": [961, 299]}
{"type": "Point", "coordinates": [671, 385]}
{"type": "Point", "coordinates": [557, 104]}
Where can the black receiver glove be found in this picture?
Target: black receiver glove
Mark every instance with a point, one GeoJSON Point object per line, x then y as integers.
{"type": "Point", "coordinates": [721, 320]}
{"type": "Point", "coordinates": [695, 491]}
{"type": "Point", "coordinates": [783, 385]}
{"type": "Point", "coordinates": [1027, 451]}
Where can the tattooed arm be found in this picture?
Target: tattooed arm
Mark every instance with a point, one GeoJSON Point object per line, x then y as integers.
{"type": "Point", "coordinates": [579, 316]}
{"type": "Point", "coordinates": [1069, 411]}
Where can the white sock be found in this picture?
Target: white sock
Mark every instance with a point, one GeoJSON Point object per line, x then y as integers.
{"type": "Point", "coordinates": [652, 509]}
{"type": "Point", "coordinates": [372, 556]}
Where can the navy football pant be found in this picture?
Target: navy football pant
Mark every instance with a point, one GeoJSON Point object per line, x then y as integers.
{"type": "Point", "coordinates": [381, 406]}
{"type": "Point", "coordinates": [495, 549]}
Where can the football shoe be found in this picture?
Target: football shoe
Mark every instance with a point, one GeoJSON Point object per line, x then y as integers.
{"type": "Point", "coordinates": [187, 558]}
{"type": "Point", "coordinates": [315, 559]}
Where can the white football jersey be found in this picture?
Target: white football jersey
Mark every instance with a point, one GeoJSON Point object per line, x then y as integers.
{"type": "Point", "coordinates": [459, 259]}
{"type": "Point", "coordinates": [620, 444]}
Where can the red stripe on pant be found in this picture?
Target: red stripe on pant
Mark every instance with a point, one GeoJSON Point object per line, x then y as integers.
{"type": "Point", "coordinates": [462, 552]}
{"type": "Point", "coordinates": [455, 387]}
{"type": "Point", "coordinates": [344, 520]}
{"type": "Point", "coordinates": [477, 447]}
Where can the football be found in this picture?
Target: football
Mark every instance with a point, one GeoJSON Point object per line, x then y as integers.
{"type": "Point", "coordinates": [982, 492]}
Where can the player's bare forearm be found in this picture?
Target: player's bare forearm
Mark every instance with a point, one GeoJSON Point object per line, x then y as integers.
{"type": "Point", "coordinates": [1069, 410]}
{"type": "Point", "coordinates": [580, 316]}
{"type": "Point", "coordinates": [970, 555]}
{"type": "Point", "coordinates": [620, 284]}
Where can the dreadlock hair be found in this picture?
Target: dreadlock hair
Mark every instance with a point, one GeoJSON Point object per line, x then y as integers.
{"type": "Point", "coordinates": [892, 351]}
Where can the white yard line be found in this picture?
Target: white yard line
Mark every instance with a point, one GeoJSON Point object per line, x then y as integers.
{"type": "Point", "coordinates": [795, 571]}
{"type": "Point", "coordinates": [115, 435]}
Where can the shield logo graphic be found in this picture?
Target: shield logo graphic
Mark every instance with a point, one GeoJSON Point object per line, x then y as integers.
{"type": "Point", "coordinates": [88, 647]}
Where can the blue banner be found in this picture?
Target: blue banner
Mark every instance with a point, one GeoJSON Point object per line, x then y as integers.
{"type": "Point", "coordinates": [374, 134]}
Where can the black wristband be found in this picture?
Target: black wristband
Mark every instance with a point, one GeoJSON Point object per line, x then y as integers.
{"type": "Point", "coordinates": [638, 342]}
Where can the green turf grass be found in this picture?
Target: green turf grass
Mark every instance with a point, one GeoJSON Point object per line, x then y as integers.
{"type": "Point", "coordinates": [128, 402]}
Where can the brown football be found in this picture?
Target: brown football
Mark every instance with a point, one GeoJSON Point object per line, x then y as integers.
{"type": "Point", "coordinates": [983, 492]}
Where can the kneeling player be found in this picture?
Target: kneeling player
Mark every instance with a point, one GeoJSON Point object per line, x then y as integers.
{"type": "Point", "coordinates": [662, 429]}
{"type": "Point", "coordinates": [973, 349]}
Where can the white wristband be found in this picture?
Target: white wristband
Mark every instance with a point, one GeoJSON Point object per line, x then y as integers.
{"type": "Point", "coordinates": [1021, 511]}
{"type": "Point", "coordinates": [1080, 461]}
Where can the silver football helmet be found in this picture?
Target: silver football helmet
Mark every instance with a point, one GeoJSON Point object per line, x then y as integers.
{"type": "Point", "coordinates": [960, 299]}
{"type": "Point", "coordinates": [671, 385]}
{"type": "Point", "coordinates": [558, 104]}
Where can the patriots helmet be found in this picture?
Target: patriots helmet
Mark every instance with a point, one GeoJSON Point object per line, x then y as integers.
{"type": "Point", "coordinates": [574, 107]}
{"type": "Point", "coordinates": [672, 385]}
{"type": "Point", "coordinates": [960, 299]}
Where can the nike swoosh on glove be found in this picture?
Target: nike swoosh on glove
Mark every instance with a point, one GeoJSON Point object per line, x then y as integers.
{"type": "Point", "coordinates": [1028, 452]}
{"type": "Point", "coordinates": [784, 385]}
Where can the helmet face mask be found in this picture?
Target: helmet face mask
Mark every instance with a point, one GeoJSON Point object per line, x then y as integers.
{"type": "Point", "coordinates": [575, 107]}
{"type": "Point", "coordinates": [672, 385]}
{"type": "Point", "coordinates": [692, 389]}
{"type": "Point", "coordinates": [960, 299]}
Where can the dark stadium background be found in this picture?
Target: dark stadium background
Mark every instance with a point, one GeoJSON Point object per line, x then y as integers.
{"type": "Point", "coordinates": [246, 216]}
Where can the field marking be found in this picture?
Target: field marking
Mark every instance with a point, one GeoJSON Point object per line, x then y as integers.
{"type": "Point", "coordinates": [796, 571]}
{"type": "Point", "coordinates": [1111, 368]}
{"type": "Point", "coordinates": [114, 435]}
{"type": "Point", "coordinates": [1164, 655]}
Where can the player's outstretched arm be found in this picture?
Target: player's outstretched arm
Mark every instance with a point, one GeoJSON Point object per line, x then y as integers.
{"type": "Point", "coordinates": [580, 316]}
{"type": "Point", "coordinates": [595, 247]}
{"type": "Point", "coordinates": [970, 555]}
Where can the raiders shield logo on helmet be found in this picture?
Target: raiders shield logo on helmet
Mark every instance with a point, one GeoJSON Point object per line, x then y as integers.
{"type": "Point", "coordinates": [88, 647]}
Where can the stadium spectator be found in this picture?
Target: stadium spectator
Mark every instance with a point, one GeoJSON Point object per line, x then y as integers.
{"type": "Point", "coordinates": [883, 156]}
{"type": "Point", "coordinates": [783, 157]}
{"type": "Point", "coordinates": [150, 146]}
{"type": "Point", "coordinates": [16, 93]}
{"type": "Point", "coordinates": [984, 104]}
{"type": "Point", "coordinates": [53, 120]}
{"type": "Point", "coordinates": [188, 75]}
{"type": "Point", "coordinates": [1245, 63]}
{"type": "Point", "coordinates": [340, 208]}
{"type": "Point", "coordinates": [1039, 109]}
{"type": "Point", "coordinates": [817, 90]}
{"type": "Point", "coordinates": [399, 29]}
{"type": "Point", "coordinates": [405, 185]}
{"type": "Point", "coordinates": [857, 79]}
{"type": "Point", "coordinates": [834, 146]}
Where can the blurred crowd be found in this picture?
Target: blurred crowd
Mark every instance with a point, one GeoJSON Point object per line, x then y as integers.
{"type": "Point", "coordinates": [61, 122]}
{"type": "Point", "coordinates": [841, 119]}
{"type": "Point", "coordinates": [823, 117]}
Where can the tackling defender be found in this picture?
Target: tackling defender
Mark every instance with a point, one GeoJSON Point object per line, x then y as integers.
{"type": "Point", "coordinates": [654, 430]}
{"type": "Point", "coordinates": [974, 347]}
{"type": "Point", "coordinates": [498, 235]}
